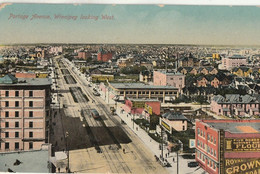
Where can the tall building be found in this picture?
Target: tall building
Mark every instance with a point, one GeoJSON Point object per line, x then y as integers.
{"type": "Point", "coordinates": [228, 146]}
{"type": "Point", "coordinates": [25, 113]}
{"type": "Point", "coordinates": [229, 63]}
{"type": "Point", "coordinates": [163, 78]}
{"type": "Point", "coordinates": [104, 56]}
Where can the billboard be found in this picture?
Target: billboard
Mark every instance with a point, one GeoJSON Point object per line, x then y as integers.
{"type": "Point", "coordinates": [242, 145]}
{"type": "Point", "coordinates": [149, 109]}
{"type": "Point", "coordinates": [239, 166]}
{"type": "Point", "coordinates": [166, 126]}
{"type": "Point", "coordinates": [138, 104]}
{"type": "Point", "coordinates": [192, 143]}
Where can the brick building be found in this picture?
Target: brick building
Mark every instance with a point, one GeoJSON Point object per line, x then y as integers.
{"type": "Point", "coordinates": [25, 113]}
{"type": "Point", "coordinates": [104, 56]}
{"type": "Point", "coordinates": [228, 146]}
{"type": "Point", "coordinates": [163, 78]}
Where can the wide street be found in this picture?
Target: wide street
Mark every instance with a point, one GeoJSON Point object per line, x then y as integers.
{"type": "Point", "coordinates": [95, 146]}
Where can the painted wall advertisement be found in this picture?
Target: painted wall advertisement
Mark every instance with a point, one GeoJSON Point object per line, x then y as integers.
{"type": "Point", "coordinates": [138, 104]}
{"type": "Point", "coordinates": [242, 145]}
{"type": "Point", "coordinates": [166, 126]}
{"type": "Point", "coordinates": [242, 166]}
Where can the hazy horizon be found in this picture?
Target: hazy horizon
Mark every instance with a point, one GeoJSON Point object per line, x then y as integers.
{"type": "Point", "coordinates": [129, 24]}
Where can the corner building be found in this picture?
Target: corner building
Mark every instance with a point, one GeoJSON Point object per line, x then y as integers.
{"type": "Point", "coordinates": [228, 146]}
{"type": "Point", "coordinates": [25, 113]}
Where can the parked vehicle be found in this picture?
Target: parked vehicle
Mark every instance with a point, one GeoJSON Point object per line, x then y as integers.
{"type": "Point", "coordinates": [193, 164]}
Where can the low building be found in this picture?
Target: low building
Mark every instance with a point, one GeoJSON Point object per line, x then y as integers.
{"type": "Point", "coordinates": [34, 161]}
{"type": "Point", "coordinates": [140, 90]}
{"type": "Point", "coordinates": [101, 77]}
{"type": "Point", "coordinates": [25, 113]}
{"type": "Point", "coordinates": [228, 146]}
{"type": "Point", "coordinates": [174, 120]}
{"type": "Point", "coordinates": [235, 104]}
{"type": "Point", "coordinates": [145, 107]}
{"type": "Point", "coordinates": [146, 76]}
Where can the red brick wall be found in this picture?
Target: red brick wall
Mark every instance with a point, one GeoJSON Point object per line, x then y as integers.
{"type": "Point", "coordinates": [25, 75]}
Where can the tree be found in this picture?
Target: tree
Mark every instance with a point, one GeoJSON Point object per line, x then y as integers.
{"type": "Point", "coordinates": [154, 121]}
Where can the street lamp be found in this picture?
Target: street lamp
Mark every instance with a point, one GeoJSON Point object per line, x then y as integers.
{"type": "Point", "coordinates": [68, 165]}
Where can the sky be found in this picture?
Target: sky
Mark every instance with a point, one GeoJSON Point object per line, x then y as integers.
{"type": "Point", "coordinates": [129, 24]}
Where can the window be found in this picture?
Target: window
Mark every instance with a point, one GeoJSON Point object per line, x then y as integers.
{"type": "Point", "coordinates": [30, 124]}
{"type": "Point", "coordinates": [16, 113]}
{"type": "Point", "coordinates": [30, 93]}
{"type": "Point", "coordinates": [16, 124]}
{"type": "Point", "coordinates": [219, 110]}
{"type": "Point", "coordinates": [16, 145]}
{"type": "Point", "coordinates": [16, 103]}
{"type": "Point", "coordinates": [16, 93]}
{"type": "Point", "coordinates": [30, 113]}
{"type": "Point", "coordinates": [198, 142]}
{"type": "Point", "coordinates": [30, 134]}
{"type": "Point", "coordinates": [30, 145]}
{"type": "Point", "coordinates": [208, 137]}
{"type": "Point", "coordinates": [6, 134]}
{"type": "Point", "coordinates": [211, 139]}
{"type": "Point", "coordinates": [7, 104]}
{"type": "Point", "coordinates": [6, 124]}
{"type": "Point", "coordinates": [6, 145]}
{"type": "Point", "coordinates": [16, 134]}
{"type": "Point", "coordinates": [30, 104]}
{"type": "Point", "coordinates": [214, 140]}
{"type": "Point", "coordinates": [198, 131]}
{"type": "Point", "coordinates": [6, 114]}
{"type": "Point", "coordinates": [183, 127]}
{"type": "Point", "coordinates": [7, 93]}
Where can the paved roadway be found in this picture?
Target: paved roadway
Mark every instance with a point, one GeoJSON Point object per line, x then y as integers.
{"type": "Point", "coordinates": [150, 144]}
{"type": "Point", "coordinates": [82, 156]}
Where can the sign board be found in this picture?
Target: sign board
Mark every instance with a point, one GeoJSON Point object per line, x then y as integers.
{"type": "Point", "coordinates": [149, 109]}
{"type": "Point", "coordinates": [242, 145]}
{"type": "Point", "coordinates": [242, 165]}
{"type": "Point", "coordinates": [138, 104]}
{"type": "Point", "coordinates": [192, 143]}
{"type": "Point", "coordinates": [166, 126]}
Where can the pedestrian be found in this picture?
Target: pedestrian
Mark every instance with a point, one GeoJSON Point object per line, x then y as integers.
{"type": "Point", "coordinates": [124, 151]}
{"type": "Point", "coordinates": [173, 159]}
{"type": "Point", "coordinates": [59, 170]}
{"type": "Point", "coordinates": [166, 155]}
{"type": "Point", "coordinates": [137, 128]}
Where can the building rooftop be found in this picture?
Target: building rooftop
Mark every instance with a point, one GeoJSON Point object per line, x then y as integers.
{"type": "Point", "coordinates": [139, 86]}
{"type": "Point", "coordinates": [237, 57]}
{"type": "Point", "coordinates": [234, 98]}
{"type": "Point", "coordinates": [171, 73]}
{"type": "Point", "coordinates": [9, 79]}
{"type": "Point", "coordinates": [236, 126]}
{"type": "Point", "coordinates": [143, 99]}
{"type": "Point", "coordinates": [28, 161]}
{"type": "Point", "coordinates": [174, 116]}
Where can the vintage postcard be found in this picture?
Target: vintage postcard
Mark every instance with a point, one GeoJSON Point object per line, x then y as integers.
{"type": "Point", "coordinates": [116, 88]}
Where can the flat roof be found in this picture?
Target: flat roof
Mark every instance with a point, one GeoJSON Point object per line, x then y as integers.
{"type": "Point", "coordinates": [236, 126]}
{"type": "Point", "coordinates": [30, 82]}
{"type": "Point", "coordinates": [31, 161]}
{"type": "Point", "coordinates": [143, 99]}
{"type": "Point", "coordinates": [140, 86]}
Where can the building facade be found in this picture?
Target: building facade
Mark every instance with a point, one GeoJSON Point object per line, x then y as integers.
{"type": "Point", "coordinates": [140, 90]}
{"type": "Point", "coordinates": [228, 146]}
{"type": "Point", "coordinates": [234, 61]}
{"type": "Point", "coordinates": [235, 104]}
{"type": "Point", "coordinates": [163, 78]}
{"type": "Point", "coordinates": [25, 113]}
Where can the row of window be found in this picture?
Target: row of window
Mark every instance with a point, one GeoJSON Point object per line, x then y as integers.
{"type": "Point", "coordinates": [146, 92]}
{"type": "Point", "coordinates": [209, 138]}
{"type": "Point", "coordinates": [17, 135]}
{"type": "Point", "coordinates": [17, 124]}
{"type": "Point", "coordinates": [17, 93]}
{"type": "Point", "coordinates": [238, 105]}
{"type": "Point", "coordinates": [7, 114]}
{"type": "Point", "coordinates": [17, 103]}
{"type": "Point", "coordinates": [210, 163]}
{"type": "Point", "coordinates": [16, 145]}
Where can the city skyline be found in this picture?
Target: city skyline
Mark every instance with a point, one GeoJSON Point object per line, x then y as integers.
{"type": "Point", "coordinates": [128, 24]}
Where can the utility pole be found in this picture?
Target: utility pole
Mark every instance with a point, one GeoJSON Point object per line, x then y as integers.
{"type": "Point", "coordinates": [177, 162]}
{"type": "Point", "coordinates": [162, 140]}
